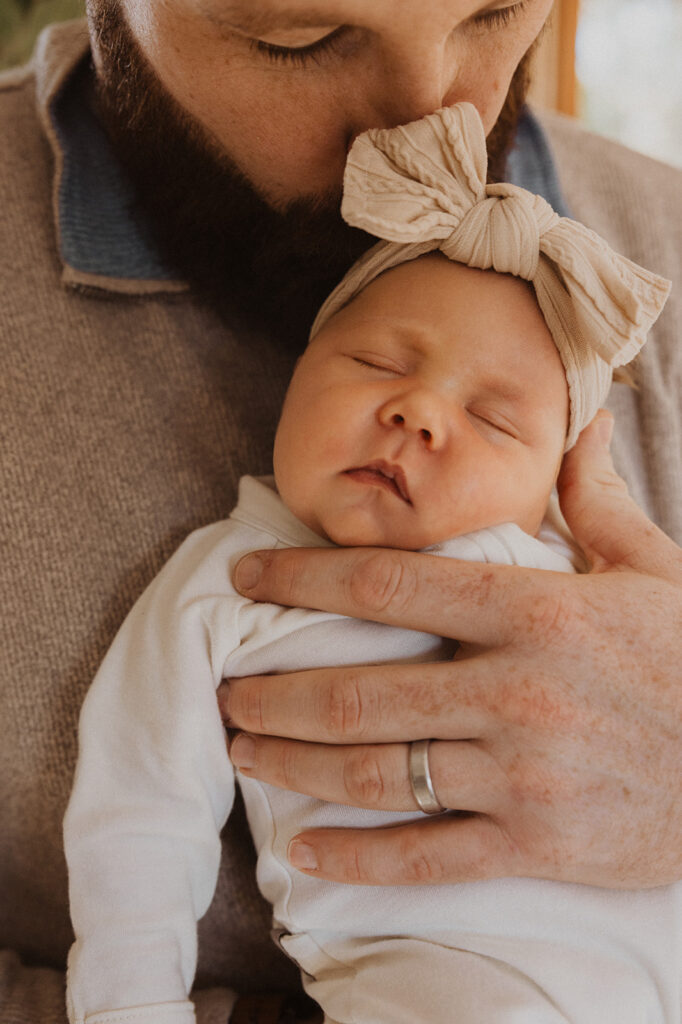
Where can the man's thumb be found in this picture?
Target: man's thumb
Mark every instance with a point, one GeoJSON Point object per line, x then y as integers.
{"type": "Point", "coordinates": [607, 524]}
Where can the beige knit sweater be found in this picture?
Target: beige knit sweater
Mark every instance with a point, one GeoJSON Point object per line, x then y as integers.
{"type": "Point", "coordinates": [126, 421]}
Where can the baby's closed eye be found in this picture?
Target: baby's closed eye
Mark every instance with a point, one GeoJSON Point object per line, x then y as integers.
{"type": "Point", "coordinates": [493, 420]}
{"type": "Point", "coordinates": [377, 361]}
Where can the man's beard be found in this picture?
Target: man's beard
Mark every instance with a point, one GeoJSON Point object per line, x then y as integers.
{"type": "Point", "coordinates": [269, 268]}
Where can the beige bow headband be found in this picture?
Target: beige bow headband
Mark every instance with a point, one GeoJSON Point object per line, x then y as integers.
{"type": "Point", "coordinates": [422, 187]}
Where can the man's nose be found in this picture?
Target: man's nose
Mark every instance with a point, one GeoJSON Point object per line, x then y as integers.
{"type": "Point", "coordinates": [419, 413]}
{"type": "Point", "coordinates": [408, 85]}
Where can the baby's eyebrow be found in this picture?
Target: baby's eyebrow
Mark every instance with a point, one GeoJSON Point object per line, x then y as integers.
{"type": "Point", "coordinates": [508, 390]}
{"type": "Point", "coordinates": [411, 336]}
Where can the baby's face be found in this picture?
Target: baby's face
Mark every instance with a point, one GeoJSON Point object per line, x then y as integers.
{"type": "Point", "coordinates": [434, 404]}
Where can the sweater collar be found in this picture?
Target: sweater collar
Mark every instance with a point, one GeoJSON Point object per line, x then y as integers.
{"type": "Point", "coordinates": [102, 243]}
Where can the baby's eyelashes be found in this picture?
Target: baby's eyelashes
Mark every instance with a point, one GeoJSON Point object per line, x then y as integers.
{"type": "Point", "coordinates": [382, 363]}
{"type": "Point", "coordinates": [493, 421]}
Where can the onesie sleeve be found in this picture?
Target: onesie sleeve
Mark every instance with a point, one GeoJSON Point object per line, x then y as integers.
{"type": "Point", "coordinates": [153, 788]}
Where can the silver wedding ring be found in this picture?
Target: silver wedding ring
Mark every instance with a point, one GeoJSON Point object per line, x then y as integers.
{"type": "Point", "coordinates": [420, 778]}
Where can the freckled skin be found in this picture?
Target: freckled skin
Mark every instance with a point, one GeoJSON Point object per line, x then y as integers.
{"type": "Point", "coordinates": [571, 775]}
{"type": "Point", "coordinates": [288, 127]}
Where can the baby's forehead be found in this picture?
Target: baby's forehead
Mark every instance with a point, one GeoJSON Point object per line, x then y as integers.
{"type": "Point", "coordinates": [433, 287]}
{"type": "Point", "coordinates": [432, 305]}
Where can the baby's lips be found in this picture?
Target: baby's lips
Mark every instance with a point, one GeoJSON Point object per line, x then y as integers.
{"type": "Point", "coordinates": [390, 472]}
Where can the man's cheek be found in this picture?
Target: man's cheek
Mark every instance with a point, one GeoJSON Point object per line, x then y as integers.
{"type": "Point", "coordinates": [285, 148]}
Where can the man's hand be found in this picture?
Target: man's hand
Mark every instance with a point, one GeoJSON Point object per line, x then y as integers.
{"type": "Point", "coordinates": [558, 727]}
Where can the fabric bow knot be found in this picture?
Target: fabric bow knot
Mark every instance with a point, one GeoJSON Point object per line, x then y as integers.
{"type": "Point", "coordinates": [502, 230]}
{"type": "Point", "coordinates": [422, 186]}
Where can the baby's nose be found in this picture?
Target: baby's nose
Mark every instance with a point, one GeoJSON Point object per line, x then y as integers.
{"type": "Point", "coordinates": [399, 420]}
{"type": "Point", "coordinates": [417, 412]}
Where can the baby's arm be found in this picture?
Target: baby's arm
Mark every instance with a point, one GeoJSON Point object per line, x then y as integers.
{"type": "Point", "coordinates": [153, 788]}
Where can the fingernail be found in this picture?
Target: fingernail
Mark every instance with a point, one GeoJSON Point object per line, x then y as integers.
{"type": "Point", "coordinates": [605, 429]}
{"type": "Point", "coordinates": [301, 855]}
{"type": "Point", "coordinates": [248, 572]}
{"type": "Point", "coordinates": [243, 751]}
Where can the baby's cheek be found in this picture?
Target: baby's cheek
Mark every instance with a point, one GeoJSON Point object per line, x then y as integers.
{"type": "Point", "coordinates": [333, 447]}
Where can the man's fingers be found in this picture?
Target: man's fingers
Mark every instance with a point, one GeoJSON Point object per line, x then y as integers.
{"type": "Point", "coordinates": [373, 776]}
{"type": "Point", "coordinates": [607, 524]}
{"type": "Point", "coordinates": [368, 704]}
{"type": "Point", "coordinates": [443, 850]}
{"type": "Point", "coordinates": [474, 603]}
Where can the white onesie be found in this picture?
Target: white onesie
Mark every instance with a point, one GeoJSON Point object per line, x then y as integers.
{"type": "Point", "coordinates": [154, 787]}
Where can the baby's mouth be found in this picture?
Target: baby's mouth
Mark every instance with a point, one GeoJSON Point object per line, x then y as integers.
{"type": "Point", "coordinates": [382, 474]}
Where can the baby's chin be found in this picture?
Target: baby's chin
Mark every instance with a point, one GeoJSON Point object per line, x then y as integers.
{"type": "Point", "coordinates": [373, 535]}
{"type": "Point", "coordinates": [369, 535]}
{"type": "Point", "coordinates": [365, 525]}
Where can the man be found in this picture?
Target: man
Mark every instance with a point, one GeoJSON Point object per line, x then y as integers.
{"type": "Point", "coordinates": [134, 403]}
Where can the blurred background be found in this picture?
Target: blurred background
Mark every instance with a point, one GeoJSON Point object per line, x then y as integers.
{"type": "Point", "coordinates": [617, 65]}
{"type": "Point", "coordinates": [22, 20]}
{"type": "Point", "coordinates": [614, 64]}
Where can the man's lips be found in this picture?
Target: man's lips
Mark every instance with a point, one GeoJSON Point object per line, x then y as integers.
{"type": "Point", "coordinates": [382, 474]}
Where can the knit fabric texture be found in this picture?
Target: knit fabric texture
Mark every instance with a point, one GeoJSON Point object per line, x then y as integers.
{"type": "Point", "coordinates": [422, 187]}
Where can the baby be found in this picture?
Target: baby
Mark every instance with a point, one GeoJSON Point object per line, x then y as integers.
{"type": "Point", "coordinates": [430, 411]}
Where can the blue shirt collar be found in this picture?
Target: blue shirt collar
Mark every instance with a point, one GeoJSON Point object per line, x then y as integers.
{"type": "Point", "coordinates": [531, 164]}
{"type": "Point", "coordinates": [100, 234]}
{"type": "Point", "coordinates": [104, 243]}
